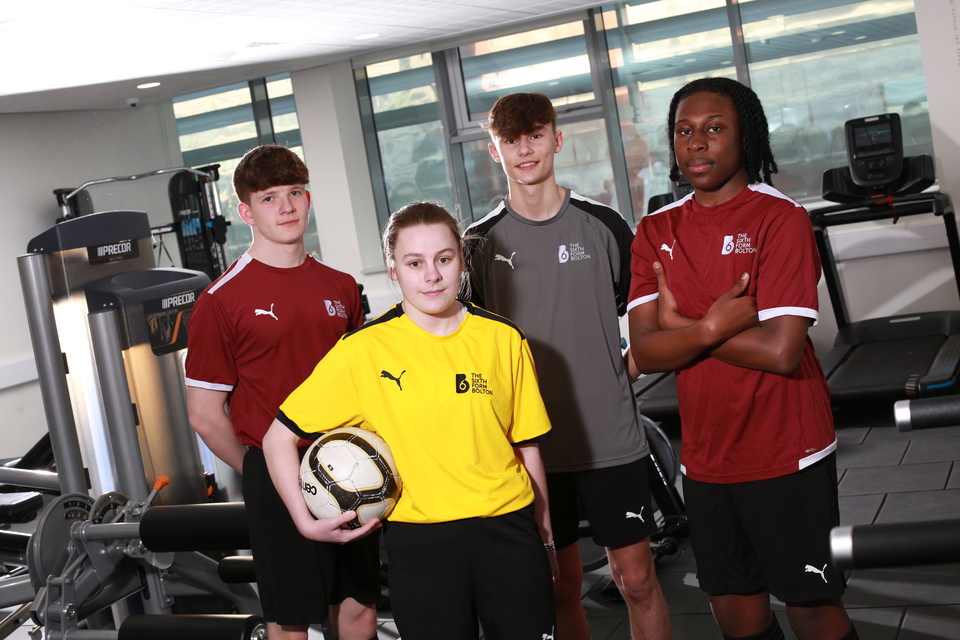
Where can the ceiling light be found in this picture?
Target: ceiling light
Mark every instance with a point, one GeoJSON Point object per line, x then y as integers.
{"type": "Point", "coordinates": [148, 85]}
{"type": "Point", "coordinates": [367, 36]}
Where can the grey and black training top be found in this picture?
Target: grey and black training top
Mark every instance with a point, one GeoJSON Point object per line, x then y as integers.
{"type": "Point", "coordinates": [564, 282]}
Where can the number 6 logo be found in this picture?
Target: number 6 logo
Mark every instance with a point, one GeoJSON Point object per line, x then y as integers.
{"type": "Point", "coordinates": [563, 254]}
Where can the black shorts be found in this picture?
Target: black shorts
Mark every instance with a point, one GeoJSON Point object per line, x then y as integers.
{"type": "Point", "coordinates": [298, 579]}
{"type": "Point", "coordinates": [444, 577]}
{"type": "Point", "coordinates": [615, 500]}
{"type": "Point", "coordinates": [772, 534]}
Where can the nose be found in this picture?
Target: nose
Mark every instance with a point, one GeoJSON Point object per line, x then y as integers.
{"type": "Point", "coordinates": [524, 147]}
{"type": "Point", "coordinates": [697, 141]}
{"type": "Point", "coordinates": [432, 273]}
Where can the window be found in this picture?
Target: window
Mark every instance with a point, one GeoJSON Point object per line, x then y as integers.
{"type": "Point", "coordinates": [218, 126]}
{"type": "Point", "coordinates": [611, 73]}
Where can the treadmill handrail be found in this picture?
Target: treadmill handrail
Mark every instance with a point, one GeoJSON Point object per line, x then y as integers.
{"type": "Point", "coordinates": [937, 203]}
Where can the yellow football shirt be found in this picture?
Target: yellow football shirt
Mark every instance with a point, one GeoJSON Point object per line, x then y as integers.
{"type": "Point", "coordinates": [450, 408]}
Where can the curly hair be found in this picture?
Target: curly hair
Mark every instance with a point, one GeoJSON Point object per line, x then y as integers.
{"type": "Point", "coordinates": [758, 158]}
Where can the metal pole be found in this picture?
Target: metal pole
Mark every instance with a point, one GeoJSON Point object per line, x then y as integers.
{"type": "Point", "coordinates": [118, 408]}
{"type": "Point", "coordinates": [35, 282]}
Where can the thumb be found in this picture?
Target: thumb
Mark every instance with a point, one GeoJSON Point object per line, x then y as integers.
{"type": "Point", "coordinates": [739, 286]}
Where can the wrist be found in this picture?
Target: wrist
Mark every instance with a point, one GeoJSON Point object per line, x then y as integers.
{"type": "Point", "coordinates": [550, 546]}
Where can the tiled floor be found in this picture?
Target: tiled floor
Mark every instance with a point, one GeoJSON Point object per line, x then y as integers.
{"type": "Point", "coordinates": [885, 476]}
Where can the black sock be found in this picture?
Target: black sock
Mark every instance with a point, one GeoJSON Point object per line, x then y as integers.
{"type": "Point", "coordinates": [773, 632]}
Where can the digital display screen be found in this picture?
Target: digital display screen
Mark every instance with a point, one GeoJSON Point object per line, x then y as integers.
{"type": "Point", "coordinates": [873, 137]}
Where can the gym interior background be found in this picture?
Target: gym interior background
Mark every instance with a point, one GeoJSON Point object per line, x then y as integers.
{"type": "Point", "coordinates": [400, 122]}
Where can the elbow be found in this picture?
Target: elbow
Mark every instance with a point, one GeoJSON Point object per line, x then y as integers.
{"type": "Point", "coordinates": [786, 362]}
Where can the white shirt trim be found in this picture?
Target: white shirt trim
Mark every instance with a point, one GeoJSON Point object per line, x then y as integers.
{"type": "Point", "coordinates": [642, 300]}
{"type": "Point", "coordinates": [803, 312]}
{"type": "Point", "coordinates": [212, 386]}
{"type": "Point", "coordinates": [818, 456]}
{"type": "Point", "coordinates": [242, 261]}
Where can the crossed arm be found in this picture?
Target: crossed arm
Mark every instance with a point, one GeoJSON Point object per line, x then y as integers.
{"type": "Point", "coordinates": [662, 339]}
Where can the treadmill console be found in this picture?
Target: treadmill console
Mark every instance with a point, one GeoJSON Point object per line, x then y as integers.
{"type": "Point", "coordinates": [874, 149]}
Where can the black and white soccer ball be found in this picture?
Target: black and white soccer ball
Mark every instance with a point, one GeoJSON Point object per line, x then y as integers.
{"type": "Point", "coordinates": [350, 469]}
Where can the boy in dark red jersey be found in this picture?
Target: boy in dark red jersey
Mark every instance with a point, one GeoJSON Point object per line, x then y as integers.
{"type": "Point", "coordinates": [256, 333]}
{"type": "Point", "coordinates": [758, 439]}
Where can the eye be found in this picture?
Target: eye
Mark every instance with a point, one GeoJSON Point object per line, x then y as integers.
{"type": "Point", "coordinates": [295, 192]}
{"type": "Point", "coordinates": [443, 260]}
{"type": "Point", "coordinates": [268, 199]}
{"type": "Point", "coordinates": [510, 141]}
{"type": "Point", "coordinates": [413, 263]}
{"type": "Point", "coordinates": [537, 136]}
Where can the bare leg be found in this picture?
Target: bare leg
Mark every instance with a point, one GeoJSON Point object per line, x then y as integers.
{"type": "Point", "coordinates": [352, 620]}
{"type": "Point", "coordinates": [571, 619]}
{"type": "Point", "coordinates": [286, 632]}
{"type": "Point", "coordinates": [740, 616]}
{"type": "Point", "coordinates": [634, 572]}
{"type": "Point", "coordinates": [819, 620]}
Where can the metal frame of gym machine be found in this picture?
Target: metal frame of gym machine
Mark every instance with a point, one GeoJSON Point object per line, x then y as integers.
{"type": "Point", "coordinates": [114, 567]}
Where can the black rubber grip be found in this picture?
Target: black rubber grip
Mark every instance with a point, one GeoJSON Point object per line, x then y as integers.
{"type": "Point", "coordinates": [236, 569]}
{"type": "Point", "coordinates": [190, 627]}
{"type": "Point", "coordinates": [905, 544]}
{"type": "Point", "coordinates": [195, 527]}
{"type": "Point", "coordinates": [931, 413]}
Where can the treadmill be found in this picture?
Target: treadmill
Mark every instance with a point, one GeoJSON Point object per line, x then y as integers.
{"type": "Point", "coordinates": [892, 358]}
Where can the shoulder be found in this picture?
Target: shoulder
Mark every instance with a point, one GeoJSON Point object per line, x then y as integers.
{"type": "Point", "coordinates": [499, 322]}
{"type": "Point", "coordinates": [483, 226]}
{"type": "Point", "coordinates": [374, 325]}
{"type": "Point", "coordinates": [226, 284]}
{"type": "Point", "coordinates": [773, 197]}
{"type": "Point", "coordinates": [599, 212]}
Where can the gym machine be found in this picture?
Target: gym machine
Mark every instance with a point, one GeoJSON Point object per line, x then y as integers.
{"type": "Point", "coordinates": [109, 330]}
{"type": "Point", "coordinates": [905, 356]}
{"type": "Point", "coordinates": [200, 227]}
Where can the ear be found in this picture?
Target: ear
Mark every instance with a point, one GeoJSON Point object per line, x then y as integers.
{"type": "Point", "coordinates": [392, 271]}
{"type": "Point", "coordinates": [559, 141]}
{"type": "Point", "coordinates": [244, 210]}
{"type": "Point", "coordinates": [492, 148]}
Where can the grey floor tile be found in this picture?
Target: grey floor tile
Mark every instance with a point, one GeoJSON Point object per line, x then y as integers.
{"type": "Point", "coordinates": [954, 482]}
{"type": "Point", "coordinates": [923, 623]}
{"type": "Point", "coordinates": [851, 435]}
{"type": "Point", "coordinates": [609, 628]}
{"type": "Point", "coordinates": [920, 506]}
{"type": "Point", "coordinates": [699, 626]}
{"type": "Point", "coordinates": [892, 434]}
{"type": "Point", "coordinates": [860, 509]}
{"type": "Point", "coordinates": [877, 624]}
{"type": "Point", "coordinates": [935, 450]}
{"type": "Point", "coordinates": [904, 586]}
{"type": "Point", "coordinates": [875, 454]}
{"type": "Point", "coordinates": [913, 477]}
{"type": "Point", "coordinates": [682, 594]}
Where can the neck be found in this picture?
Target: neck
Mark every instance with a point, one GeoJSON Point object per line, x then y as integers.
{"type": "Point", "coordinates": [280, 256]}
{"type": "Point", "coordinates": [536, 201]}
{"type": "Point", "coordinates": [439, 325]}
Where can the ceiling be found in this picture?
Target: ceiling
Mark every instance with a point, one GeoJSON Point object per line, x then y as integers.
{"type": "Point", "coordinates": [91, 54]}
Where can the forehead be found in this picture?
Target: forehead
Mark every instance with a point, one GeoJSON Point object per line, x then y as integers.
{"type": "Point", "coordinates": [706, 104]}
{"type": "Point", "coordinates": [537, 128]}
{"type": "Point", "coordinates": [423, 238]}
{"type": "Point", "coordinates": [282, 188]}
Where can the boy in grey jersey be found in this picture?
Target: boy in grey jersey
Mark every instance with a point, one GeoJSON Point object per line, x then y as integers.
{"type": "Point", "coordinates": [558, 265]}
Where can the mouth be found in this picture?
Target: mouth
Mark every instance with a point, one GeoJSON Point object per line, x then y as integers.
{"type": "Point", "coordinates": [699, 165]}
{"type": "Point", "coordinates": [527, 165]}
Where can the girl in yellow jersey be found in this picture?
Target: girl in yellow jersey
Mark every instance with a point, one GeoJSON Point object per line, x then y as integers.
{"type": "Point", "coordinates": [453, 391]}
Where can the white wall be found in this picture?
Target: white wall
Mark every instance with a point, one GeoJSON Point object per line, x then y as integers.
{"type": "Point", "coordinates": [340, 178]}
{"type": "Point", "coordinates": [40, 152]}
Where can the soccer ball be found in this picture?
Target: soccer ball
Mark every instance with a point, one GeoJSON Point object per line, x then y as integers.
{"type": "Point", "coordinates": [350, 469]}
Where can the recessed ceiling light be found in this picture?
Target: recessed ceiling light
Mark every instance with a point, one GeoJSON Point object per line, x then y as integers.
{"type": "Point", "coordinates": [367, 36]}
{"type": "Point", "coordinates": [148, 85]}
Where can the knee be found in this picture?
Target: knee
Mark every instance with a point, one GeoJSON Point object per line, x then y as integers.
{"type": "Point", "coordinates": [638, 584]}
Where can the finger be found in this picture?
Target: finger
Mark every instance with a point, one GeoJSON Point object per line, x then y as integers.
{"type": "Point", "coordinates": [368, 528]}
{"type": "Point", "coordinates": [739, 286]}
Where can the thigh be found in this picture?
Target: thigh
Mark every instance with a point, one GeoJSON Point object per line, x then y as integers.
{"type": "Point", "coordinates": [430, 586]}
{"type": "Point", "coordinates": [294, 574]}
{"type": "Point", "coordinates": [789, 520]}
{"type": "Point", "coordinates": [726, 563]}
{"type": "Point", "coordinates": [513, 583]}
{"type": "Point", "coordinates": [617, 503]}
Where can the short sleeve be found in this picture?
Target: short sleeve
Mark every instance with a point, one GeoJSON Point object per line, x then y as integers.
{"type": "Point", "coordinates": [211, 347]}
{"type": "Point", "coordinates": [327, 399]}
{"type": "Point", "coordinates": [643, 281]}
{"type": "Point", "coordinates": [530, 420]}
{"type": "Point", "coordinates": [789, 268]}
